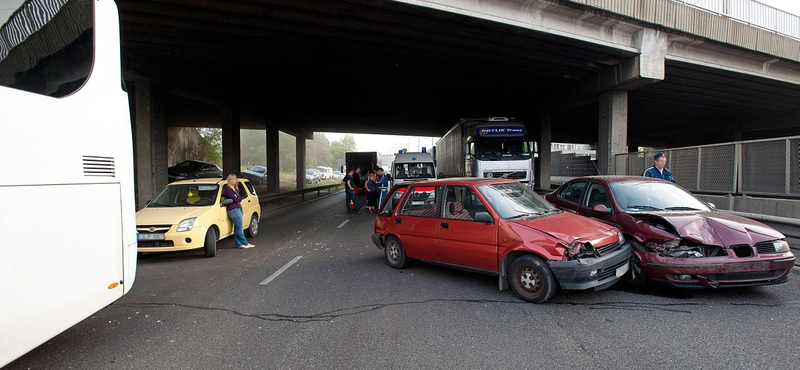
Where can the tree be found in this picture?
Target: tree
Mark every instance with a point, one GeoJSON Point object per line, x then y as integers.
{"type": "Point", "coordinates": [339, 147]}
{"type": "Point", "coordinates": [211, 142]}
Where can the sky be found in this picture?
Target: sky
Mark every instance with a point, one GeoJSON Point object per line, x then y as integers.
{"type": "Point", "coordinates": [791, 6]}
{"type": "Point", "coordinates": [385, 144]}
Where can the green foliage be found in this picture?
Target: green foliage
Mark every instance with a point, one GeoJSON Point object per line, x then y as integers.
{"type": "Point", "coordinates": [254, 147]}
{"type": "Point", "coordinates": [319, 152]}
{"type": "Point", "coordinates": [211, 142]}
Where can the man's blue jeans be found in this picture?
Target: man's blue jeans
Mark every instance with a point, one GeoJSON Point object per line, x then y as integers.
{"type": "Point", "coordinates": [349, 195]}
{"type": "Point", "coordinates": [238, 230]}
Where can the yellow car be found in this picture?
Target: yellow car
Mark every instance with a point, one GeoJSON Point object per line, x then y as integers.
{"type": "Point", "coordinates": [188, 215]}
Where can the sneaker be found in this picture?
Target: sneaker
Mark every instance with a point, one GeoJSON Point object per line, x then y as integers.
{"type": "Point", "coordinates": [249, 246]}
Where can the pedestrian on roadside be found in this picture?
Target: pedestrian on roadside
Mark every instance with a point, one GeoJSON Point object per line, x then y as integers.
{"type": "Point", "coordinates": [659, 169]}
{"type": "Point", "coordinates": [349, 192]}
{"type": "Point", "coordinates": [372, 191]}
{"type": "Point", "coordinates": [235, 211]}
{"type": "Point", "coordinates": [383, 185]}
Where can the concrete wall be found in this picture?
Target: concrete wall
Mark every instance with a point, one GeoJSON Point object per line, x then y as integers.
{"type": "Point", "coordinates": [789, 208]}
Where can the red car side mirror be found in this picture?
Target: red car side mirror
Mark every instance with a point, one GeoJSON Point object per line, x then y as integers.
{"type": "Point", "coordinates": [601, 208]}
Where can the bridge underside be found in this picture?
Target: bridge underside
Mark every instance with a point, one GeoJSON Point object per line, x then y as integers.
{"type": "Point", "coordinates": [388, 67]}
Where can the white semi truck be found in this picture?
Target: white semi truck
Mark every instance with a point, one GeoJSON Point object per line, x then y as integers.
{"type": "Point", "coordinates": [495, 147]}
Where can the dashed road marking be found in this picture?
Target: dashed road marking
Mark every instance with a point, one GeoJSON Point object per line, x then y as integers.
{"type": "Point", "coordinates": [342, 224]}
{"type": "Point", "coordinates": [280, 271]}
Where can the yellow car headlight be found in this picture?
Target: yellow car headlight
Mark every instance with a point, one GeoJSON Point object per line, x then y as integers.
{"type": "Point", "coordinates": [186, 224]}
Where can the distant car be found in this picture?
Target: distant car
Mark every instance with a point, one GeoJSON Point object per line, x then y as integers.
{"type": "Point", "coordinates": [187, 215]}
{"type": "Point", "coordinates": [313, 176]}
{"type": "Point", "coordinates": [679, 240]}
{"type": "Point", "coordinates": [501, 227]}
{"type": "Point", "coordinates": [193, 169]}
{"type": "Point", "coordinates": [338, 175]}
{"type": "Point", "coordinates": [256, 174]}
{"type": "Point", "coordinates": [325, 172]}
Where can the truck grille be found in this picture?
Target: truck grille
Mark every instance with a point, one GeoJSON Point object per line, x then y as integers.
{"type": "Point", "coordinates": [516, 175]}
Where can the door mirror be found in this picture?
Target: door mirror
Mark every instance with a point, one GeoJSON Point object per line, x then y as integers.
{"type": "Point", "coordinates": [483, 216]}
{"type": "Point", "coordinates": [601, 208]}
{"type": "Point", "coordinates": [713, 206]}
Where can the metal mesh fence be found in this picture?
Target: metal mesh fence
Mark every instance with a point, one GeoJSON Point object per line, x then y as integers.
{"type": "Point", "coordinates": [683, 164]}
{"type": "Point", "coordinates": [718, 168]}
{"type": "Point", "coordinates": [764, 167]}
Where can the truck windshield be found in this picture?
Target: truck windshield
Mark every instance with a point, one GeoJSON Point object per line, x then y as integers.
{"type": "Point", "coordinates": [501, 149]}
{"type": "Point", "coordinates": [413, 170]}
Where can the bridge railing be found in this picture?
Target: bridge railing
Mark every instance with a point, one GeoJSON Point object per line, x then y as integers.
{"type": "Point", "coordinates": [753, 13]}
{"type": "Point", "coordinates": [757, 167]}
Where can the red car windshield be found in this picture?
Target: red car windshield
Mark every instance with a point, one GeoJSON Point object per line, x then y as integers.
{"type": "Point", "coordinates": [513, 200]}
{"type": "Point", "coordinates": [635, 197]}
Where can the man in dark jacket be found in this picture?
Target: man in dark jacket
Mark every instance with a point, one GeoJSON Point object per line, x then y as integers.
{"type": "Point", "coordinates": [659, 170]}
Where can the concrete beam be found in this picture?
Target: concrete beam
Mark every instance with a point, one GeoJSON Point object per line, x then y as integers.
{"type": "Point", "coordinates": [542, 164]}
{"type": "Point", "coordinates": [273, 160]}
{"type": "Point", "coordinates": [150, 140]}
{"type": "Point", "coordinates": [231, 142]}
{"type": "Point", "coordinates": [300, 148]}
{"type": "Point", "coordinates": [612, 130]}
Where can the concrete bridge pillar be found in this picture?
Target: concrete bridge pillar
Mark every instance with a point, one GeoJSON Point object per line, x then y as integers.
{"type": "Point", "coordinates": [543, 162]}
{"type": "Point", "coordinates": [273, 162]}
{"type": "Point", "coordinates": [301, 161]}
{"type": "Point", "coordinates": [613, 129]}
{"type": "Point", "coordinates": [231, 142]}
{"type": "Point", "coordinates": [150, 140]}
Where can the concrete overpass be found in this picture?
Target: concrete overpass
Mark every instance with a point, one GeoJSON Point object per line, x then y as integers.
{"type": "Point", "coordinates": [615, 73]}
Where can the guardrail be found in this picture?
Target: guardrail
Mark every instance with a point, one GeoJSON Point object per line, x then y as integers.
{"type": "Point", "coordinates": [753, 13]}
{"type": "Point", "coordinates": [302, 193]}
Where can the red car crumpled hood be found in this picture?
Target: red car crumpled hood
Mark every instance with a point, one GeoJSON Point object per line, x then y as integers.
{"type": "Point", "coordinates": [718, 228]}
{"type": "Point", "coordinates": [567, 227]}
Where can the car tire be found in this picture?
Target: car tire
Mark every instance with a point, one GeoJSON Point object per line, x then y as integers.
{"type": "Point", "coordinates": [531, 279]}
{"type": "Point", "coordinates": [211, 243]}
{"type": "Point", "coordinates": [395, 253]}
{"type": "Point", "coordinates": [635, 276]}
{"type": "Point", "coordinates": [252, 230]}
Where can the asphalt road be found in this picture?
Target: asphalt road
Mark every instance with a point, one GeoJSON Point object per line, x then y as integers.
{"type": "Point", "coordinates": [339, 306]}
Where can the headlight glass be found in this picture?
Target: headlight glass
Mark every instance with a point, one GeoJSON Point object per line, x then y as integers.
{"type": "Point", "coordinates": [781, 246]}
{"type": "Point", "coordinates": [186, 224]}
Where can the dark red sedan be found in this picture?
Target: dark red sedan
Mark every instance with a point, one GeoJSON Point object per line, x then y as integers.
{"type": "Point", "coordinates": [499, 227]}
{"type": "Point", "coordinates": [678, 239]}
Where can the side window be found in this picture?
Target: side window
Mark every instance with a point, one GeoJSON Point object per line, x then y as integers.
{"type": "Point", "coordinates": [421, 201]}
{"type": "Point", "coordinates": [242, 192]}
{"type": "Point", "coordinates": [573, 192]}
{"type": "Point", "coordinates": [251, 188]}
{"type": "Point", "coordinates": [597, 195]}
{"type": "Point", "coordinates": [392, 200]}
{"type": "Point", "coordinates": [461, 203]}
{"type": "Point", "coordinates": [46, 47]}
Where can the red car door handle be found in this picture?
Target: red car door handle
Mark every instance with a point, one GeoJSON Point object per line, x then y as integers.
{"type": "Point", "coordinates": [444, 225]}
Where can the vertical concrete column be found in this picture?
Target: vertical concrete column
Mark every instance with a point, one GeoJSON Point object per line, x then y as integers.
{"type": "Point", "coordinates": [301, 161]}
{"type": "Point", "coordinates": [543, 162]}
{"type": "Point", "coordinates": [273, 161]}
{"type": "Point", "coordinates": [613, 129]}
{"type": "Point", "coordinates": [150, 141]}
{"type": "Point", "coordinates": [231, 141]}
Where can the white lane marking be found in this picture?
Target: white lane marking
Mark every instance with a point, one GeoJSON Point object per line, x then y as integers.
{"type": "Point", "coordinates": [342, 224]}
{"type": "Point", "coordinates": [280, 271]}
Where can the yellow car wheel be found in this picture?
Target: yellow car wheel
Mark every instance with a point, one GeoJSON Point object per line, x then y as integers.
{"type": "Point", "coordinates": [211, 243]}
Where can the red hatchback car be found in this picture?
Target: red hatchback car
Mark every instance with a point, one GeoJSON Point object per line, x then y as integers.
{"type": "Point", "coordinates": [679, 240]}
{"type": "Point", "coordinates": [499, 227]}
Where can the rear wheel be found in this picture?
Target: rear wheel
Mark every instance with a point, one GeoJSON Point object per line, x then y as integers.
{"type": "Point", "coordinates": [211, 243]}
{"type": "Point", "coordinates": [531, 279]}
{"type": "Point", "coordinates": [395, 253]}
{"type": "Point", "coordinates": [252, 230]}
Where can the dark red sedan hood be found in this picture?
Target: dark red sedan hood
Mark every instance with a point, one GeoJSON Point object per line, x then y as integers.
{"type": "Point", "coordinates": [567, 227]}
{"type": "Point", "coordinates": [718, 228]}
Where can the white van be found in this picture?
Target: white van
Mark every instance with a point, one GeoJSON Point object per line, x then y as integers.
{"type": "Point", "coordinates": [326, 172]}
{"type": "Point", "coordinates": [408, 166]}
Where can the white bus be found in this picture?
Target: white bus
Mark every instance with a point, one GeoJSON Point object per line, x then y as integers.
{"type": "Point", "coordinates": [66, 185]}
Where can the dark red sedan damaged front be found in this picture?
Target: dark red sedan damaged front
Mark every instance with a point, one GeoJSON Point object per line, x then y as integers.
{"type": "Point", "coordinates": [710, 250]}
